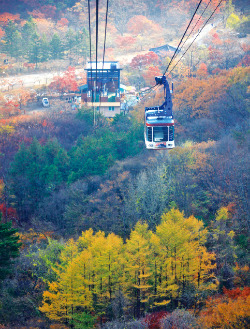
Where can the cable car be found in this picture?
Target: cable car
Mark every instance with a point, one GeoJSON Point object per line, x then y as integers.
{"type": "Point", "coordinates": [159, 121]}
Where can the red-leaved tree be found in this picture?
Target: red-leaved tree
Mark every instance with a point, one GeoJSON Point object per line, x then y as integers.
{"type": "Point", "coordinates": [202, 70]}
{"type": "Point", "coordinates": [49, 11]}
{"type": "Point", "coordinates": [8, 213]}
{"type": "Point", "coordinates": [6, 17]}
{"type": "Point", "coordinates": [125, 42]}
{"type": "Point", "coordinates": [150, 74]}
{"type": "Point", "coordinates": [153, 320]}
{"type": "Point", "coordinates": [63, 22]}
{"type": "Point", "coordinates": [66, 82]}
{"type": "Point", "coordinates": [141, 61]}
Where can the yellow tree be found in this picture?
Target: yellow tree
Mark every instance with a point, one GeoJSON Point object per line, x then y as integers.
{"type": "Point", "coordinates": [151, 268]}
{"type": "Point", "coordinates": [222, 241]}
{"type": "Point", "coordinates": [97, 264]}
{"type": "Point", "coordinates": [70, 296]}
{"type": "Point", "coordinates": [157, 267]}
{"type": "Point", "coordinates": [185, 260]}
{"type": "Point", "coordinates": [107, 268]}
{"type": "Point", "coordinates": [138, 272]}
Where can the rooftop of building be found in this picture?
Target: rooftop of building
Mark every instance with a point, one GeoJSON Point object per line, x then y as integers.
{"type": "Point", "coordinates": [109, 65]}
{"type": "Point", "coordinates": [163, 48]}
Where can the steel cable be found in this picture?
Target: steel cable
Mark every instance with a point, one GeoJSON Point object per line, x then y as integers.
{"type": "Point", "coordinates": [176, 50]}
{"type": "Point", "coordinates": [90, 52]}
{"type": "Point", "coordinates": [104, 46]}
{"type": "Point", "coordinates": [195, 24]}
{"type": "Point", "coordinates": [196, 36]}
{"type": "Point", "coordinates": [96, 41]}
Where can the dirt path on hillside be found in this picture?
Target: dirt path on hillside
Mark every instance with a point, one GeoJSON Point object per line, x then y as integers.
{"type": "Point", "coordinates": [30, 80]}
{"type": "Point", "coordinates": [45, 78]}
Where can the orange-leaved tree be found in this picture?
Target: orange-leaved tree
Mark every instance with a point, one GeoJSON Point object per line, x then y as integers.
{"type": "Point", "coordinates": [142, 25]}
{"type": "Point", "coordinates": [231, 310]}
{"type": "Point", "coordinates": [9, 108]}
{"type": "Point", "coordinates": [125, 42]}
{"type": "Point", "coordinates": [8, 213]}
{"type": "Point", "coordinates": [202, 70]}
{"type": "Point", "coordinates": [150, 74]}
{"type": "Point", "coordinates": [6, 17]}
{"type": "Point", "coordinates": [195, 98]}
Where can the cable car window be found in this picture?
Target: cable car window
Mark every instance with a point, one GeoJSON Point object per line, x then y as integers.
{"type": "Point", "coordinates": [149, 134]}
{"type": "Point", "coordinates": [171, 133]}
{"type": "Point", "coordinates": [160, 134]}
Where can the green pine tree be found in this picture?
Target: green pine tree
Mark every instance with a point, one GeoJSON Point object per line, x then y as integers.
{"type": "Point", "coordinates": [30, 38]}
{"type": "Point", "coordinates": [70, 44]}
{"type": "Point", "coordinates": [56, 48]}
{"type": "Point", "coordinates": [35, 50]}
{"type": "Point", "coordinates": [82, 42]}
{"type": "Point", "coordinates": [13, 40]}
{"type": "Point", "coordinates": [9, 248]}
{"type": "Point", "coordinates": [44, 49]}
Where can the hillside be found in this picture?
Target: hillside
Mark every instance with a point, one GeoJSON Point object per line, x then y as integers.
{"type": "Point", "coordinates": [96, 231]}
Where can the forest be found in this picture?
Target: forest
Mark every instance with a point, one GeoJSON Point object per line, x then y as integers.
{"type": "Point", "coordinates": [96, 231]}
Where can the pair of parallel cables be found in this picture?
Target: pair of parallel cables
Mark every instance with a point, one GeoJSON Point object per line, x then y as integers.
{"type": "Point", "coordinates": [179, 47]}
{"type": "Point", "coordinates": [96, 40]}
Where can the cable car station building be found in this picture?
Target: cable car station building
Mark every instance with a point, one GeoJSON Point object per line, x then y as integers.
{"type": "Point", "coordinates": [103, 88]}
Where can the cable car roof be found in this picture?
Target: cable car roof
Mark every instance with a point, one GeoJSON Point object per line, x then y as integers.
{"type": "Point", "coordinates": [157, 117]}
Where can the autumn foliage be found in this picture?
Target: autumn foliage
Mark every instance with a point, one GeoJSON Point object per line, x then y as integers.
{"type": "Point", "coordinates": [98, 266]}
{"type": "Point", "coordinates": [48, 10]}
{"type": "Point", "coordinates": [198, 95]}
{"type": "Point", "coordinates": [12, 106]}
{"type": "Point", "coordinates": [102, 225]}
{"type": "Point", "coordinates": [6, 17]}
{"type": "Point", "coordinates": [9, 108]}
{"type": "Point", "coordinates": [141, 61]}
{"type": "Point", "coordinates": [63, 22]}
{"type": "Point", "coordinates": [150, 74]}
{"type": "Point", "coordinates": [202, 71]}
{"type": "Point", "coordinates": [1, 33]}
{"type": "Point", "coordinates": [153, 320]}
{"type": "Point", "coordinates": [125, 42]}
{"type": "Point", "coordinates": [141, 24]}
{"type": "Point", "coordinates": [8, 213]}
{"type": "Point", "coordinates": [32, 237]}
{"type": "Point", "coordinates": [66, 82]}
{"type": "Point", "coordinates": [231, 310]}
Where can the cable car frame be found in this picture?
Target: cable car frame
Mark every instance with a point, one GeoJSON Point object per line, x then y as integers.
{"type": "Point", "coordinates": [159, 121]}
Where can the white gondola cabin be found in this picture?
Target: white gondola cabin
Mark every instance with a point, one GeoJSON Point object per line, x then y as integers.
{"type": "Point", "coordinates": [159, 121]}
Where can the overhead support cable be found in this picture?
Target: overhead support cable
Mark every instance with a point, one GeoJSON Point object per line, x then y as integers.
{"type": "Point", "coordinates": [105, 35]}
{"type": "Point", "coordinates": [149, 92]}
{"type": "Point", "coordinates": [96, 41]}
{"type": "Point", "coordinates": [90, 52]}
{"type": "Point", "coordinates": [96, 54]}
{"type": "Point", "coordinates": [104, 45]}
{"type": "Point", "coordinates": [195, 24]}
{"type": "Point", "coordinates": [197, 35]}
{"type": "Point", "coordinates": [151, 88]}
{"type": "Point", "coordinates": [176, 50]}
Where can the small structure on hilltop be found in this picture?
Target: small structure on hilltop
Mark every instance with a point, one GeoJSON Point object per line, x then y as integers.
{"type": "Point", "coordinates": [162, 51]}
{"type": "Point", "coordinates": [103, 88]}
